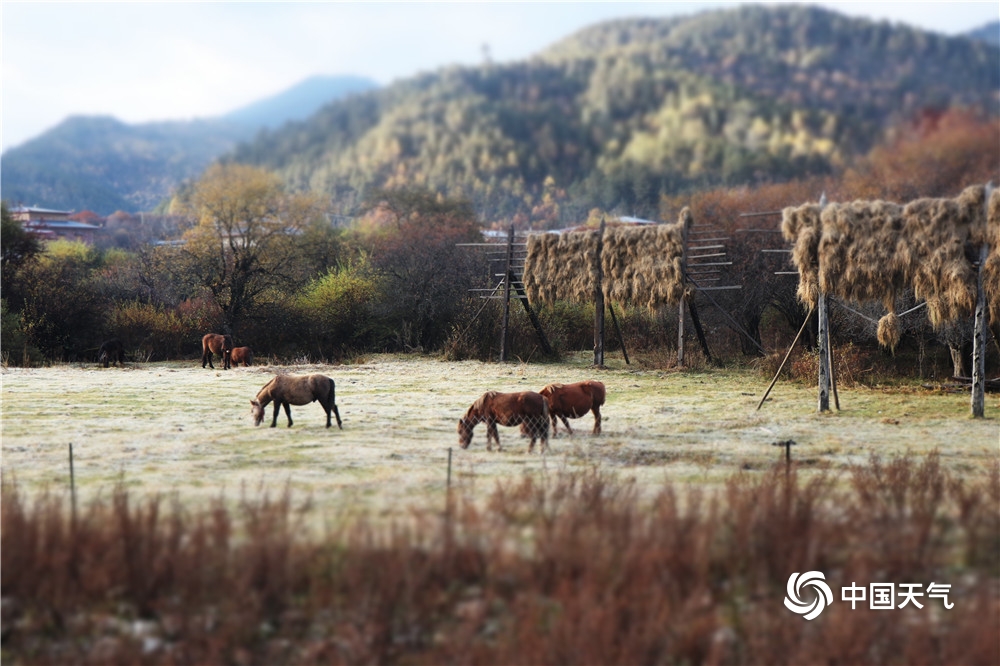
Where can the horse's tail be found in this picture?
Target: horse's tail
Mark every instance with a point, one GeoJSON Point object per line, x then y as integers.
{"type": "Point", "coordinates": [333, 393]}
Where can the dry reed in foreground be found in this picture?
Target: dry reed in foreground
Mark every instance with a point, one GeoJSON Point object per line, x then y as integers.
{"type": "Point", "coordinates": [576, 569]}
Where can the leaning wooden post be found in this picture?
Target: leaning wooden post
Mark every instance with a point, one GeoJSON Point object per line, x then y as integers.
{"type": "Point", "coordinates": [598, 270]}
{"type": "Point", "coordinates": [618, 331]}
{"type": "Point", "coordinates": [979, 342]}
{"type": "Point", "coordinates": [785, 360]}
{"type": "Point", "coordinates": [506, 297]}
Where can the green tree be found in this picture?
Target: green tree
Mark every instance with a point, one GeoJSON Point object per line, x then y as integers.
{"type": "Point", "coordinates": [17, 249]}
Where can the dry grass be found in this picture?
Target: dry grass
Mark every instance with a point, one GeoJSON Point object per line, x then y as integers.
{"type": "Point", "coordinates": [173, 427]}
{"type": "Point", "coordinates": [575, 568]}
{"type": "Point", "coordinates": [641, 265]}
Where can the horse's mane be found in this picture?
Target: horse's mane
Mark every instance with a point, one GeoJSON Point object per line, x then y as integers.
{"type": "Point", "coordinates": [266, 388]}
{"type": "Point", "coordinates": [480, 404]}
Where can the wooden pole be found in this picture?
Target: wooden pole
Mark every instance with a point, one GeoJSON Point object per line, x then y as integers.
{"type": "Point", "coordinates": [523, 297]}
{"type": "Point", "coordinates": [680, 332]}
{"type": "Point", "coordinates": [681, 307]}
{"type": "Point", "coordinates": [785, 360]}
{"type": "Point", "coordinates": [599, 300]}
{"type": "Point", "coordinates": [506, 298]}
{"type": "Point", "coordinates": [618, 330]}
{"type": "Point", "coordinates": [699, 331]}
{"type": "Point", "coordinates": [824, 356]}
{"type": "Point", "coordinates": [833, 380]}
{"type": "Point", "coordinates": [979, 343]}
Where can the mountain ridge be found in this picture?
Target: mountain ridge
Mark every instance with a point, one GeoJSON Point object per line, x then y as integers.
{"type": "Point", "coordinates": [620, 112]}
{"type": "Point", "coordinates": [100, 163]}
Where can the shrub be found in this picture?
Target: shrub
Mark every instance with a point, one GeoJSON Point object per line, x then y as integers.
{"type": "Point", "coordinates": [337, 309]}
{"type": "Point", "coordinates": [580, 568]}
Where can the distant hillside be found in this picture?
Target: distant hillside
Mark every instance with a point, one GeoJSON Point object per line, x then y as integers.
{"type": "Point", "coordinates": [989, 33]}
{"type": "Point", "coordinates": [104, 165]}
{"type": "Point", "coordinates": [622, 111]}
{"type": "Point", "coordinates": [300, 101]}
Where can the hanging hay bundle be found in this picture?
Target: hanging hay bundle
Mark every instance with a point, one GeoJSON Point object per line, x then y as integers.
{"type": "Point", "coordinates": [889, 331]}
{"type": "Point", "coordinates": [641, 265]}
{"type": "Point", "coordinates": [857, 251]}
{"type": "Point", "coordinates": [870, 250]}
{"type": "Point", "coordinates": [801, 226]}
{"type": "Point", "coordinates": [934, 257]}
{"type": "Point", "coordinates": [560, 267]}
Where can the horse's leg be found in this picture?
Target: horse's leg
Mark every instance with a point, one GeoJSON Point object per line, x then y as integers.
{"type": "Point", "coordinates": [492, 433]}
{"type": "Point", "coordinates": [288, 413]}
{"type": "Point", "coordinates": [336, 412]}
{"type": "Point", "coordinates": [206, 357]}
{"type": "Point", "coordinates": [555, 422]}
{"type": "Point", "coordinates": [597, 419]}
{"type": "Point", "coordinates": [566, 423]}
{"type": "Point", "coordinates": [277, 408]}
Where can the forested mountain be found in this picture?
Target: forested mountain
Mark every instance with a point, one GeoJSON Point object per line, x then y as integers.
{"type": "Point", "coordinates": [618, 113]}
{"type": "Point", "coordinates": [300, 101]}
{"type": "Point", "coordinates": [101, 164]}
{"type": "Point", "coordinates": [989, 33]}
{"type": "Point", "coordinates": [104, 165]}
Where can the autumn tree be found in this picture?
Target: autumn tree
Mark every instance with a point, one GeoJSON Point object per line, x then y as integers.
{"type": "Point", "coordinates": [413, 236]}
{"type": "Point", "coordinates": [938, 154]}
{"type": "Point", "coordinates": [243, 241]}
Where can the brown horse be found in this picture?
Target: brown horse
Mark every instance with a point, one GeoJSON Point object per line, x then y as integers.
{"type": "Point", "coordinates": [242, 355]}
{"type": "Point", "coordinates": [507, 409]}
{"type": "Point", "coordinates": [573, 401]}
{"type": "Point", "coordinates": [112, 351]}
{"type": "Point", "coordinates": [214, 343]}
{"type": "Point", "coordinates": [295, 390]}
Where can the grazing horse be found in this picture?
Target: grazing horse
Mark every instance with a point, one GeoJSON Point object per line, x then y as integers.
{"type": "Point", "coordinates": [242, 355]}
{"type": "Point", "coordinates": [112, 351]}
{"type": "Point", "coordinates": [527, 409]}
{"type": "Point", "coordinates": [214, 343]}
{"type": "Point", "coordinates": [573, 401]}
{"type": "Point", "coordinates": [295, 390]}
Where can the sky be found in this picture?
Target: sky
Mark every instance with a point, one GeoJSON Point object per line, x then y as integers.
{"type": "Point", "coordinates": [146, 61]}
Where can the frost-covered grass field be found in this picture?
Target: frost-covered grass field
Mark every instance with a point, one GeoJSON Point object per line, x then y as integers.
{"type": "Point", "coordinates": [174, 428]}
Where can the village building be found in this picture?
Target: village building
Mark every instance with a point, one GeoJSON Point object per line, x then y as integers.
{"type": "Point", "coordinates": [50, 224]}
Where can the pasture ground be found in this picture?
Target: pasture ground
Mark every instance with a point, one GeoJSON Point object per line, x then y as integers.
{"type": "Point", "coordinates": [174, 428]}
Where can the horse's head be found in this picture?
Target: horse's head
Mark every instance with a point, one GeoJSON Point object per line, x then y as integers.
{"type": "Point", "coordinates": [476, 413]}
{"type": "Point", "coordinates": [257, 410]}
{"type": "Point", "coordinates": [465, 432]}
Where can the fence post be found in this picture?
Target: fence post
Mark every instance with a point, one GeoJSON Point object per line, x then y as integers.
{"type": "Point", "coordinates": [72, 482]}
